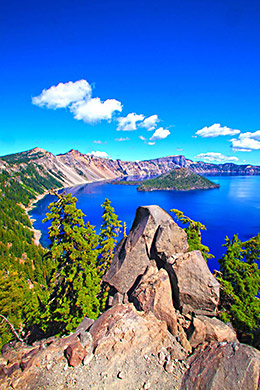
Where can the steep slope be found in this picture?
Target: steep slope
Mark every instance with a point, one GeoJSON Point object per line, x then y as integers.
{"type": "Point", "coordinates": [74, 168]}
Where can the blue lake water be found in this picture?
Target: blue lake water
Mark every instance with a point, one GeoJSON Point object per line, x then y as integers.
{"type": "Point", "coordinates": [233, 208]}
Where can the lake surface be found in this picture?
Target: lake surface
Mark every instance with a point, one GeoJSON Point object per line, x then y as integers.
{"type": "Point", "coordinates": [233, 208]}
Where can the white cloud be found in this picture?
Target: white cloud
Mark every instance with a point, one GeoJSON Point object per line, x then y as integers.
{"type": "Point", "coordinates": [77, 97]}
{"type": "Point", "coordinates": [246, 142]}
{"type": "Point", "coordinates": [63, 94]}
{"type": "Point", "coordinates": [215, 157]}
{"type": "Point", "coordinates": [160, 133]}
{"type": "Point", "coordinates": [255, 135]}
{"type": "Point", "coordinates": [151, 143]}
{"type": "Point", "coordinates": [129, 123]}
{"type": "Point", "coordinates": [142, 138]}
{"type": "Point", "coordinates": [150, 123]}
{"type": "Point", "coordinates": [95, 110]}
{"type": "Point", "coordinates": [216, 130]}
{"type": "Point", "coordinates": [97, 142]}
{"type": "Point", "coordinates": [99, 154]}
{"type": "Point", "coordinates": [122, 139]}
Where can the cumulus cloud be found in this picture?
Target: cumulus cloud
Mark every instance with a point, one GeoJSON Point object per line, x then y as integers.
{"type": "Point", "coordinates": [151, 143]}
{"type": "Point", "coordinates": [63, 94]}
{"type": "Point", "coordinates": [97, 142]}
{"type": "Point", "coordinates": [122, 139]}
{"type": "Point", "coordinates": [129, 123]}
{"type": "Point", "coordinates": [160, 133]}
{"type": "Point", "coordinates": [246, 142]}
{"type": "Point", "coordinates": [95, 110]}
{"type": "Point", "coordinates": [216, 130]}
{"type": "Point", "coordinates": [150, 122]}
{"type": "Point", "coordinates": [215, 157]}
{"type": "Point", "coordinates": [99, 154]}
{"type": "Point", "coordinates": [77, 96]}
{"type": "Point", "coordinates": [142, 138]}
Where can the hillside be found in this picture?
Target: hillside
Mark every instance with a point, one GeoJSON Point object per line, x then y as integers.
{"type": "Point", "coordinates": [75, 168]}
{"type": "Point", "coordinates": [180, 179]}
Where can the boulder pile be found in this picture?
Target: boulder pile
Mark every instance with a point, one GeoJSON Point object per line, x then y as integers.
{"type": "Point", "coordinates": [159, 331]}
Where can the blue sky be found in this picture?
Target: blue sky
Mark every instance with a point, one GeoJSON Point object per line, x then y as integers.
{"type": "Point", "coordinates": [187, 72]}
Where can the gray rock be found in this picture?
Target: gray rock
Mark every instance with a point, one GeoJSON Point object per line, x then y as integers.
{"type": "Point", "coordinates": [153, 293]}
{"type": "Point", "coordinates": [194, 287]}
{"type": "Point", "coordinates": [169, 240]}
{"type": "Point", "coordinates": [133, 253]}
{"type": "Point", "coordinates": [223, 367]}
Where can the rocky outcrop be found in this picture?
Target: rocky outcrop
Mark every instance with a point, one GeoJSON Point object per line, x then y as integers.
{"type": "Point", "coordinates": [225, 366]}
{"type": "Point", "coordinates": [135, 252]}
{"type": "Point", "coordinates": [154, 236]}
{"type": "Point", "coordinates": [197, 289]}
{"type": "Point", "coordinates": [154, 294]}
{"type": "Point", "coordinates": [160, 331]}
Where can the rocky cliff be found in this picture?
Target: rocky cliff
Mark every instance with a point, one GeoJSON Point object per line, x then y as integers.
{"type": "Point", "coordinates": [74, 168]}
{"type": "Point", "coordinates": [159, 331]}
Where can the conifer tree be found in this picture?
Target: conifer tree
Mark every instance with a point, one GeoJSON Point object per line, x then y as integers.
{"type": "Point", "coordinates": [240, 281]}
{"type": "Point", "coordinates": [109, 232]}
{"type": "Point", "coordinates": [193, 234]}
{"type": "Point", "coordinates": [75, 282]}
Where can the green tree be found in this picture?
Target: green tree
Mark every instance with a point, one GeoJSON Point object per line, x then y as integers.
{"type": "Point", "coordinates": [75, 282]}
{"type": "Point", "coordinates": [240, 282]}
{"type": "Point", "coordinates": [193, 234]}
{"type": "Point", "coordinates": [109, 232]}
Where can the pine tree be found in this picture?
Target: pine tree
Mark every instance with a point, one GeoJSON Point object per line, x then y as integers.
{"type": "Point", "coordinates": [193, 234]}
{"type": "Point", "coordinates": [109, 232]}
{"type": "Point", "coordinates": [75, 282]}
{"type": "Point", "coordinates": [240, 282]}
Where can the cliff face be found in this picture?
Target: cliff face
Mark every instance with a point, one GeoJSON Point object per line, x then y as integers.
{"type": "Point", "coordinates": [74, 168]}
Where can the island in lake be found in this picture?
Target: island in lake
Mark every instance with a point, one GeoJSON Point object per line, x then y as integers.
{"type": "Point", "coordinates": [179, 179]}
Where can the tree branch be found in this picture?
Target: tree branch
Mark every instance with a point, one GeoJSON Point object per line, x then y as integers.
{"type": "Point", "coordinates": [12, 329]}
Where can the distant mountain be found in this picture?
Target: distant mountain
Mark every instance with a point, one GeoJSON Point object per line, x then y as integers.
{"type": "Point", "coordinates": [74, 168]}
{"type": "Point", "coordinates": [180, 179]}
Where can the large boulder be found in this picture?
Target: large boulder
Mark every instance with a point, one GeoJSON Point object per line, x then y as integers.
{"type": "Point", "coordinates": [205, 329]}
{"type": "Point", "coordinates": [122, 330]}
{"type": "Point", "coordinates": [225, 366]}
{"type": "Point", "coordinates": [194, 287]}
{"type": "Point", "coordinates": [133, 254]}
{"type": "Point", "coordinates": [153, 293]}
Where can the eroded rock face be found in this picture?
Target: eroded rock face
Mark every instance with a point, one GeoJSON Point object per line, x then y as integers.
{"type": "Point", "coordinates": [225, 366]}
{"type": "Point", "coordinates": [195, 287]}
{"type": "Point", "coordinates": [169, 240]}
{"type": "Point", "coordinates": [154, 294]}
{"type": "Point", "coordinates": [205, 329]}
{"type": "Point", "coordinates": [122, 330]}
{"type": "Point", "coordinates": [134, 253]}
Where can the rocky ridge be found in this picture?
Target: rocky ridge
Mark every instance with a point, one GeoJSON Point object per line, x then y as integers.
{"type": "Point", "coordinates": [75, 168]}
{"type": "Point", "coordinates": [159, 331]}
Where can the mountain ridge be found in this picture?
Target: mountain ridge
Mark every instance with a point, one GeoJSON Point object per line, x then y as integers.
{"type": "Point", "coordinates": [73, 168]}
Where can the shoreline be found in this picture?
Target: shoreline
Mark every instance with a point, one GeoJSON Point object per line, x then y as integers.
{"type": "Point", "coordinates": [37, 233]}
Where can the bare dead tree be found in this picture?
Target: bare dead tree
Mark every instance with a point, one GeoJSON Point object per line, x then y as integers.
{"type": "Point", "coordinates": [12, 329]}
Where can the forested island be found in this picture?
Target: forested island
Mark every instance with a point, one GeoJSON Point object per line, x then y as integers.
{"type": "Point", "coordinates": [179, 179]}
